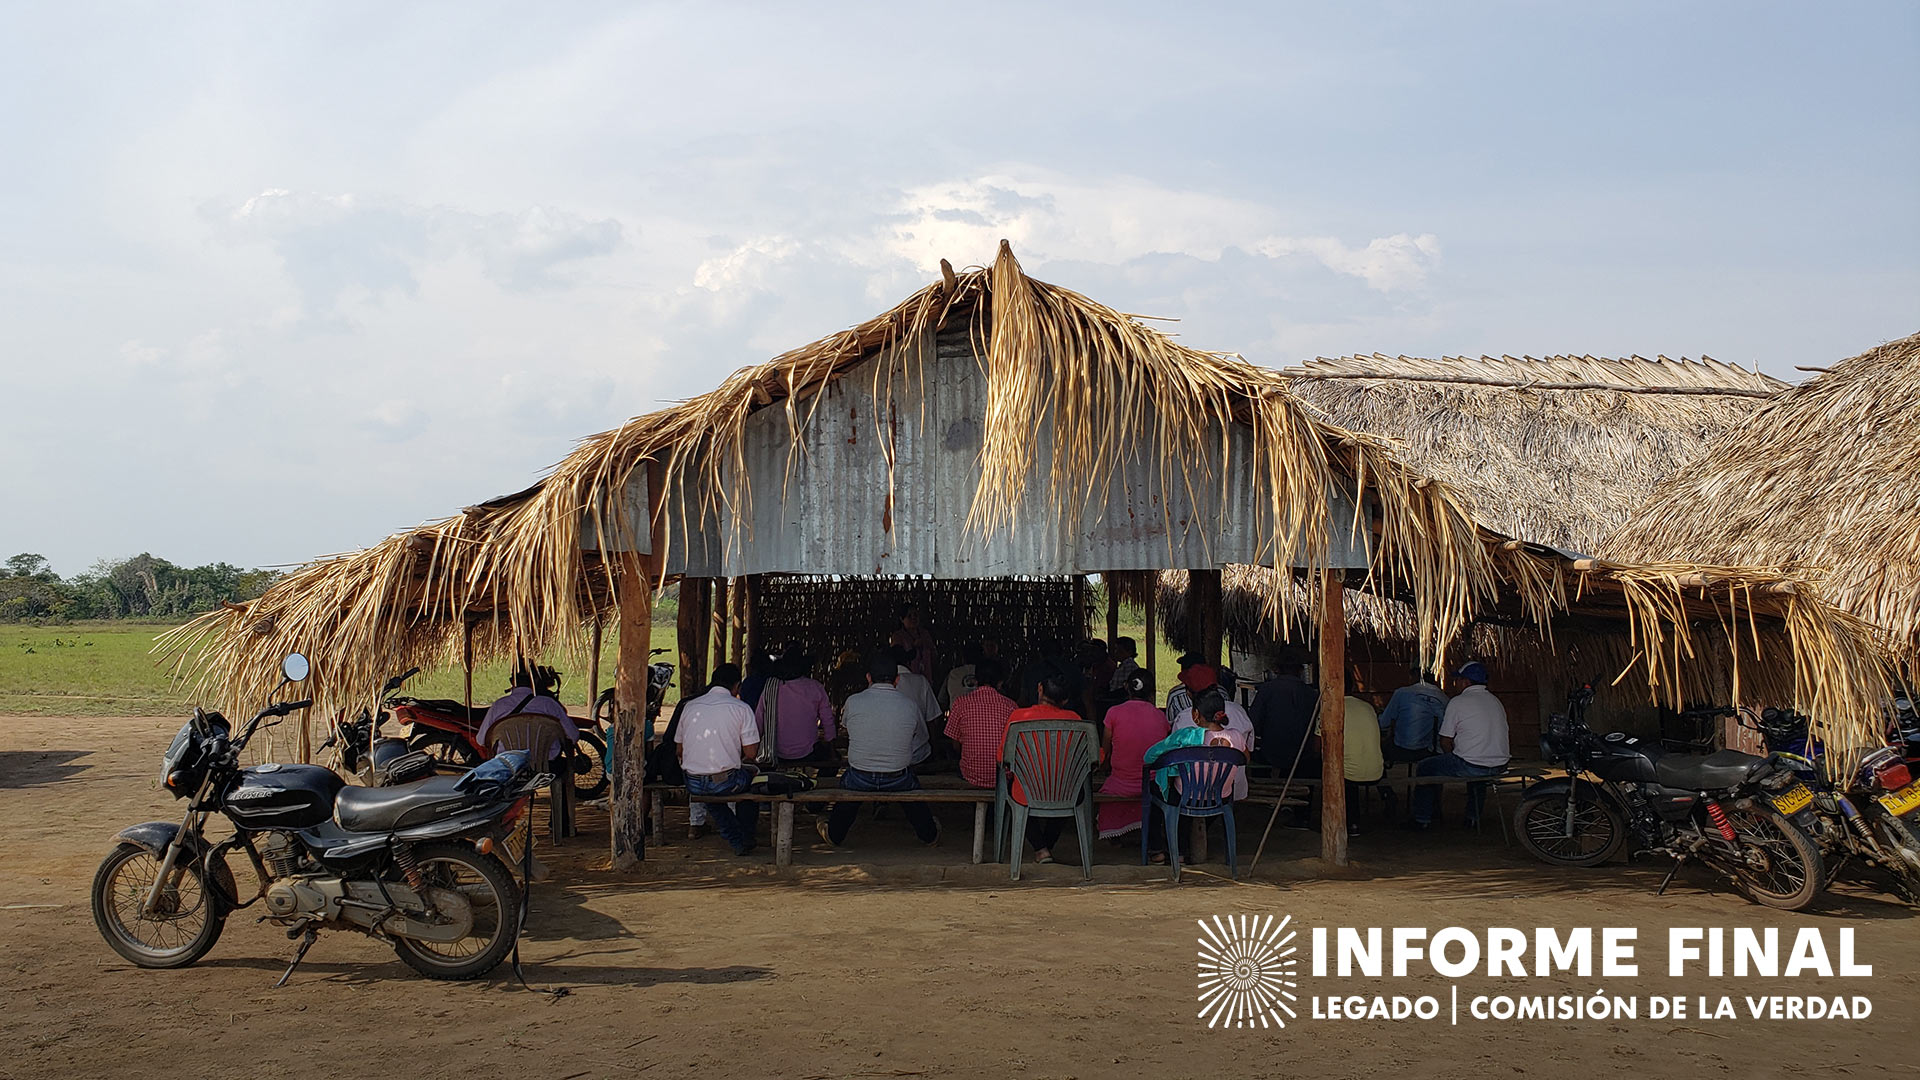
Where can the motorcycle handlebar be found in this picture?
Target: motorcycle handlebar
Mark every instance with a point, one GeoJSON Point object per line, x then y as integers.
{"type": "Point", "coordinates": [394, 683]}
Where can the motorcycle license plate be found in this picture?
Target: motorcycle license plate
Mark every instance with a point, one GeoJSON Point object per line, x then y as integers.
{"type": "Point", "coordinates": [1794, 799]}
{"type": "Point", "coordinates": [1899, 802]}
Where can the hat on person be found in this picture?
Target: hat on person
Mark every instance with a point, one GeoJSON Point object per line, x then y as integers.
{"type": "Point", "coordinates": [1187, 660]}
{"type": "Point", "coordinates": [1474, 672]}
{"type": "Point", "coordinates": [1199, 677]}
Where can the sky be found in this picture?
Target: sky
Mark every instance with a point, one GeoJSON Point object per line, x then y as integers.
{"type": "Point", "coordinates": [278, 280]}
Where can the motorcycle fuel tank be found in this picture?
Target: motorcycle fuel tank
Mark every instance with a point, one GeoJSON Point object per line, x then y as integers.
{"type": "Point", "coordinates": [283, 796]}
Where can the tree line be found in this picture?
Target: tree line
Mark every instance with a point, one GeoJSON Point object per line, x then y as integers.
{"type": "Point", "coordinates": [143, 587]}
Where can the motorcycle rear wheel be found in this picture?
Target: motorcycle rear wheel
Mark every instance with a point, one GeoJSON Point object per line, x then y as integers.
{"type": "Point", "coordinates": [445, 748]}
{"type": "Point", "coordinates": [1792, 874]}
{"type": "Point", "coordinates": [589, 767]}
{"type": "Point", "coordinates": [1598, 832]}
{"type": "Point", "coordinates": [488, 886]}
{"type": "Point", "coordinates": [179, 932]}
{"type": "Point", "coordinates": [1903, 840]}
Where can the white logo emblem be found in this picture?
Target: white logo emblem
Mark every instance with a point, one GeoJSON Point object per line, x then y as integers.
{"type": "Point", "coordinates": [1246, 971]}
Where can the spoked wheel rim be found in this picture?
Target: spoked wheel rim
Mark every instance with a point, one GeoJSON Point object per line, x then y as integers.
{"type": "Point", "coordinates": [174, 927]}
{"type": "Point", "coordinates": [492, 912]}
{"type": "Point", "coordinates": [589, 768]}
{"type": "Point", "coordinates": [1779, 872]}
{"type": "Point", "coordinates": [448, 750]}
{"type": "Point", "coordinates": [1592, 829]}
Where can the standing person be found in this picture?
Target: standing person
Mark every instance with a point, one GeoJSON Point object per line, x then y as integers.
{"type": "Point", "coordinates": [1362, 763]}
{"type": "Point", "coordinates": [1473, 743]}
{"type": "Point", "coordinates": [912, 635]}
{"type": "Point", "coordinates": [1412, 718]}
{"type": "Point", "coordinates": [717, 736]}
{"type": "Point", "coordinates": [882, 725]}
{"type": "Point", "coordinates": [978, 722]}
{"type": "Point", "coordinates": [805, 715]}
{"type": "Point", "coordinates": [1128, 729]}
{"type": "Point", "coordinates": [915, 687]}
{"type": "Point", "coordinates": [1056, 690]}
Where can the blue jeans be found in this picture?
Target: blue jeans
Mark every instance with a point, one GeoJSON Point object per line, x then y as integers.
{"type": "Point", "coordinates": [735, 826]}
{"type": "Point", "coordinates": [1426, 797]}
{"type": "Point", "coordinates": [840, 818]}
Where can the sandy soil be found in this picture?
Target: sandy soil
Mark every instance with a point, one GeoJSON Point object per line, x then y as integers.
{"type": "Point", "coordinates": [902, 963]}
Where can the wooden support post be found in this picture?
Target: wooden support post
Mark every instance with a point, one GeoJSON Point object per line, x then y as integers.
{"type": "Point", "coordinates": [1112, 580]}
{"type": "Point", "coordinates": [979, 833]}
{"type": "Point", "coordinates": [1152, 661]}
{"type": "Point", "coordinates": [466, 659]}
{"type": "Point", "coordinates": [635, 595]}
{"type": "Point", "coordinates": [1333, 719]}
{"type": "Point", "coordinates": [690, 634]}
{"type": "Point", "coordinates": [783, 833]}
{"type": "Point", "coordinates": [1203, 600]}
{"type": "Point", "coordinates": [1080, 604]}
{"type": "Point", "coordinates": [721, 616]}
{"type": "Point", "coordinates": [593, 670]}
{"type": "Point", "coordinates": [748, 639]}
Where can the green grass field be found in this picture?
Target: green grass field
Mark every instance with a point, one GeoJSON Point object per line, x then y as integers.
{"type": "Point", "coordinates": [107, 669]}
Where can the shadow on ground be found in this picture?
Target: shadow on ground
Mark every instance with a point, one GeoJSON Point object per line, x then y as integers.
{"type": "Point", "coordinates": [33, 768]}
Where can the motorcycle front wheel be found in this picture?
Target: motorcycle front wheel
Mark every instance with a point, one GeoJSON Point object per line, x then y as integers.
{"type": "Point", "coordinates": [493, 899]}
{"type": "Point", "coordinates": [1903, 840]}
{"type": "Point", "coordinates": [589, 767]}
{"type": "Point", "coordinates": [1597, 835]}
{"type": "Point", "coordinates": [182, 927]}
{"type": "Point", "coordinates": [1783, 868]}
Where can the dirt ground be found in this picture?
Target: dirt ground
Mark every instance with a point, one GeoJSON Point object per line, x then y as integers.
{"type": "Point", "coordinates": [882, 961]}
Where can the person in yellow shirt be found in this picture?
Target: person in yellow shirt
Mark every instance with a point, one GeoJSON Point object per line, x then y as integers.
{"type": "Point", "coordinates": [1365, 763]}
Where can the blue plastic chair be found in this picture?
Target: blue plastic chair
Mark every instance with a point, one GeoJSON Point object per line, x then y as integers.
{"type": "Point", "coordinates": [1202, 776]}
{"type": "Point", "coordinates": [1053, 761]}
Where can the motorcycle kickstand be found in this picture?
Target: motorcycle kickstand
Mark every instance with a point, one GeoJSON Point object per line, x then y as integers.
{"type": "Point", "coordinates": [1668, 880]}
{"type": "Point", "coordinates": [306, 942]}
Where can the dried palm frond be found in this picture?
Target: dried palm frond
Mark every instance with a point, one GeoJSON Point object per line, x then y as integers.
{"type": "Point", "coordinates": [1822, 478]}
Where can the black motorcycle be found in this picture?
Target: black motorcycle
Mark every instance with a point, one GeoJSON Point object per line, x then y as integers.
{"type": "Point", "coordinates": [1869, 819]}
{"type": "Point", "coordinates": [1746, 817]}
{"type": "Point", "coordinates": [412, 865]}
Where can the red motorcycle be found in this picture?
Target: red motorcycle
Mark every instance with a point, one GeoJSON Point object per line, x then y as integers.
{"type": "Point", "coordinates": [449, 733]}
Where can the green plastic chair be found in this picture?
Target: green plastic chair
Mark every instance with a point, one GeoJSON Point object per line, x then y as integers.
{"type": "Point", "coordinates": [1053, 761]}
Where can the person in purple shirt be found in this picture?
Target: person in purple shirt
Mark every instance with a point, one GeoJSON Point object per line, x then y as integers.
{"type": "Point", "coordinates": [803, 721]}
{"type": "Point", "coordinates": [534, 690]}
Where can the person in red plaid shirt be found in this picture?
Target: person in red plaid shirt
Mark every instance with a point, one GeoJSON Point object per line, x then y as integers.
{"type": "Point", "coordinates": [977, 721]}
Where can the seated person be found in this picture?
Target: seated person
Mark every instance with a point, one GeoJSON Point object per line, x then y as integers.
{"type": "Point", "coordinates": [882, 727]}
{"type": "Point", "coordinates": [1473, 741]}
{"type": "Point", "coordinates": [535, 690]}
{"type": "Point", "coordinates": [1363, 763]}
{"type": "Point", "coordinates": [1209, 728]}
{"type": "Point", "coordinates": [1285, 711]}
{"type": "Point", "coordinates": [1412, 719]}
{"type": "Point", "coordinates": [715, 739]}
{"type": "Point", "coordinates": [1199, 678]}
{"type": "Point", "coordinates": [1129, 728]}
{"type": "Point", "coordinates": [978, 722]}
{"type": "Point", "coordinates": [915, 688]}
{"type": "Point", "coordinates": [1055, 689]}
{"type": "Point", "coordinates": [803, 721]}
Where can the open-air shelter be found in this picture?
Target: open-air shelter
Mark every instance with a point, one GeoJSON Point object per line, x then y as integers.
{"type": "Point", "coordinates": [993, 428]}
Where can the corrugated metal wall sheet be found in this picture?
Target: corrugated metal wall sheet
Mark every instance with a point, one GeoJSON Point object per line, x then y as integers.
{"type": "Point", "coordinates": [824, 507]}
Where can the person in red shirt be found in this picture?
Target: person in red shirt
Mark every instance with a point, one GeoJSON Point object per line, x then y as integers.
{"type": "Point", "coordinates": [1057, 687]}
{"type": "Point", "coordinates": [977, 720]}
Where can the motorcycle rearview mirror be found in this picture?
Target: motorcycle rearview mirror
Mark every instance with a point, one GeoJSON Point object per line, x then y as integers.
{"type": "Point", "coordinates": [295, 667]}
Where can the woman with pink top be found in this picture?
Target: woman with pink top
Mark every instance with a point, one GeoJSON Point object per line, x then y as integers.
{"type": "Point", "coordinates": [1128, 730]}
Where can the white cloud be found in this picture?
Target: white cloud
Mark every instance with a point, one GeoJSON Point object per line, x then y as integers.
{"type": "Point", "coordinates": [1387, 263]}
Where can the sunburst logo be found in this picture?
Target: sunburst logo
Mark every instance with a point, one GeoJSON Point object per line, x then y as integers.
{"type": "Point", "coordinates": [1247, 971]}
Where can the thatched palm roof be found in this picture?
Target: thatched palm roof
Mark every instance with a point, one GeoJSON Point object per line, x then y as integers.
{"type": "Point", "coordinates": [1824, 479]}
{"type": "Point", "coordinates": [1554, 466]}
{"type": "Point", "coordinates": [1104, 383]}
{"type": "Point", "coordinates": [523, 570]}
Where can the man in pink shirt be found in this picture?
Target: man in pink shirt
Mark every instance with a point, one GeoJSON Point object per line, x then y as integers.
{"type": "Point", "coordinates": [803, 721]}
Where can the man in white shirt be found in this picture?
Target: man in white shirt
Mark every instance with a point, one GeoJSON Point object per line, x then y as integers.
{"type": "Point", "coordinates": [1473, 743]}
{"type": "Point", "coordinates": [919, 691]}
{"type": "Point", "coordinates": [717, 736]}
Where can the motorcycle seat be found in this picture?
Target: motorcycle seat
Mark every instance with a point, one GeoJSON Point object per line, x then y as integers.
{"type": "Point", "coordinates": [381, 809]}
{"type": "Point", "coordinates": [1721, 769]}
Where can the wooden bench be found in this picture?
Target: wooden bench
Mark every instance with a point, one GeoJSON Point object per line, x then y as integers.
{"type": "Point", "coordinates": [981, 800]}
{"type": "Point", "coordinates": [1521, 777]}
